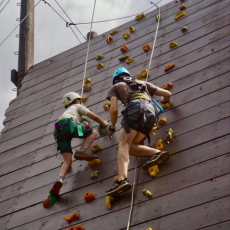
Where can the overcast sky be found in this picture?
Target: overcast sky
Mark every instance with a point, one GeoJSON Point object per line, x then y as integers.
{"type": "Point", "coordinates": [51, 34]}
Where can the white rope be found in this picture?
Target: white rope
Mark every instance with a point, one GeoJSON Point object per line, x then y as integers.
{"type": "Point", "coordinates": [88, 49]}
{"type": "Point", "coordinates": [135, 170]}
{"type": "Point", "coordinates": [20, 23]}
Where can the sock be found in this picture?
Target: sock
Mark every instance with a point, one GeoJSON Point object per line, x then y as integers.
{"type": "Point", "coordinates": [82, 149]}
{"type": "Point", "coordinates": [61, 178]}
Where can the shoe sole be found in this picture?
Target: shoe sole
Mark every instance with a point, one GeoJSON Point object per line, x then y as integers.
{"type": "Point", "coordinates": [84, 158]}
{"type": "Point", "coordinates": [163, 157]}
{"type": "Point", "coordinates": [119, 190]}
{"type": "Point", "coordinates": [56, 188]}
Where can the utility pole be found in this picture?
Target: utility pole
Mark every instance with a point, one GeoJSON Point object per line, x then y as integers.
{"type": "Point", "coordinates": [26, 43]}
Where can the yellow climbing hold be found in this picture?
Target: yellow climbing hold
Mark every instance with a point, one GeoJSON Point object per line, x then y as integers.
{"type": "Point", "coordinates": [100, 65]}
{"type": "Point", "coordinates": [148, 229]}
{"type": "Point", "coordinates": [129, 60]}
{"type": "Point", "coordinates": [93, 162]}
{"type": "Point", "coordinates": [107, 106]}
{"type": "Point", "coordinates": [126, 35]}
{"type": "Point", "coordinates": [147, 193]}
{"type": "Point", "coordinates": [154, 129]}
{"type": "Point", "coordinates": [184, 28]}
{"type": "Point", "coordinates": [143, 74]}
{"type": "Point", "coordinates": [89, 109]}
{"type": "Point", "coordinates": [84, 99]}
{"type": "Point", "coordinates": [123, 58]}
{"type": "Point", "coordinates": [182, 6]}
{"type": "Point", "coordinates": [153, 170]}
{"type": "Point", "coordinates": [108, 201]}
{"type": "Point", "coordinates": [172, 44]}
{"type": "Point", "coordinates": [87, 80]}
{"type": "Point", "coordinates": [169, 135]}
{"type": "Point", "coordinates": [131, 29]}
{"type": "Point", "coordinates": [113, 32]}
{"type": "Point", "coordinates": [159, 145]}
{"type": "Point", "coordinates": [116, 178]}
{"type": "Point", "coordinates": [165, 106]}
{"type": "Point", "coordinates": [162, 121]}
{"type": "Point", "coordinates": [157, 17]}
{"type": "Point", "coordinates": [140, 16]}
{"type": "Point", "coordinates": [96, 148]}
{"type": "Point", "coordinates": [178, 15]}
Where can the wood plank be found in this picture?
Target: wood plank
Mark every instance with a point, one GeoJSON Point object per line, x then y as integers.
{"type": "Point", "coordinates": [219, 226]}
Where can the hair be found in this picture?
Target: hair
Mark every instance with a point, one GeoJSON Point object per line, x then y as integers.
{"type": "Point", "coordinates": [73, 102]}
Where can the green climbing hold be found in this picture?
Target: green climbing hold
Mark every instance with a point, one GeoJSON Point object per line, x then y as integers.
{"type": "Point", "coordinates": [184, 28]}
{"type": "Point", "coordinates": [49, 201]}
{"type": "Point", "coordinates": [99, 57]}
{"type": "Point", "coordinates": [124, 58]}
{"type": "Point", "coordinates": [94, 175]}
{"type": "Point", "coordinates": [157, 17]}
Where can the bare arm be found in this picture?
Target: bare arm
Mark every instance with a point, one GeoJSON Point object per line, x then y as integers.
{"type": "Point", "coordinates": [96, 118]}
{"type": "Point", "coordinates": [113, 111]}
{"type": "Point", "coordinates": [164, 93]}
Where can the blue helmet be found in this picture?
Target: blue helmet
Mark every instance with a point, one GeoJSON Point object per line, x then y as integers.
{"type": "Point", "coordinates": [119, 71]}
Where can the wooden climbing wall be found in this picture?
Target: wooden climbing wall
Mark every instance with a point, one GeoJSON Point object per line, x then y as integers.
{"type": "Point", "coordinates": [191, 191]}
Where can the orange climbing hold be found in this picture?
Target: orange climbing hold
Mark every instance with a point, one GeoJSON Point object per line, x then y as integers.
{"type": "Point", "coordinates": [146, 47]}
{"type": "Point", "coordinates": [77, 227]}
{"type": "Point", "coordinates": [126, 35]}
{"type": "Point", "coordinates": [124, 48]}
{"type": "Point", "coordinates": [88, 196]}
{"type": "Point", "coordinates": [168, 67]}
{"type": "Point", "coordinates": [86, 88]}
{"type": "Point", "coordinates": [71, 218]}
{"type": "Point", "coordinates": [143, 74]}
{"type": "Point", "coordinates": [168, 86]}
{"type": "Point", "coordinates": [140, 16]}
{"type": "Point", "coordinates": [131, 29]}
{"type": "Point", "coordinates": [96, 148]}
{"type": "Point", "coordinates": [45, 202]}
{"type": "Point", "coordinates": [109, 38]}
{"type": "Point", "coordinates": [113, 32]}
{"type": "Point", "coordinates": [159, 145]}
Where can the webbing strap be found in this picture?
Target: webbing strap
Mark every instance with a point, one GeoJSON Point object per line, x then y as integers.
{"type": "Point", "coordinates": [140, 95]}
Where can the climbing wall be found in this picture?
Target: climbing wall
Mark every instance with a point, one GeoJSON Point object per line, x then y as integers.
{"type": "Point", "coordinates": [191, 191]}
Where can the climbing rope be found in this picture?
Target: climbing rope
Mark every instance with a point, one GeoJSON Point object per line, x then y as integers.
{"type": "Point", "coordinates": [135, 170]}
{"type": "Point", "coordinates": [88, 48]}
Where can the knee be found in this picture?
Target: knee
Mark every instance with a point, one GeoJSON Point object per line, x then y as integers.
{"type": "Point", "coordinates": [94, 132]}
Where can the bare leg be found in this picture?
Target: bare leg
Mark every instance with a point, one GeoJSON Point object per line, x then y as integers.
{"type": "Point", "coordinates": [89, 140]}
{"type": "Point", "coordinates": [66, 165]}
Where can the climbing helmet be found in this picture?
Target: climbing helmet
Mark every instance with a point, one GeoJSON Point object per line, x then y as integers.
{"type": "Point", "coordinates": [68, 98]}
{"type": "Point", "coordinates": [118, 72]}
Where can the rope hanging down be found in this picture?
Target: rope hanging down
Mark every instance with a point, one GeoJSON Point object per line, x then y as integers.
{"type": "Point", "coordinates": [135, 170]}
{"type": "Point", "coordinates": [4, 6]}
{"type": "Point", "coordinates": [19, 23]}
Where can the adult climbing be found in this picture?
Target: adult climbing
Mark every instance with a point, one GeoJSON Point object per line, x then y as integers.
{"type": "Point", "coordinates": [139, 116]}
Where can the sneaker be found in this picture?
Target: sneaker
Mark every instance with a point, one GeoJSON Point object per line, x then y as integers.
{"type": "Point", "coordinates": [84, 155]}
{"type": "Point", "coordinates": [119, 187]}
{"type": "Point", "coordinates": [156, 159]}
{"type": "Point", "coordinates": [56, 188]}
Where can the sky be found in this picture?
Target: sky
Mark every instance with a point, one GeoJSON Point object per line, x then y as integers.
{"type": "Point", "coordinates": [51, 34]}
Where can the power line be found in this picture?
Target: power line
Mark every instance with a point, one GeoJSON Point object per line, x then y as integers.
{"type": "Point", "coordinates": [70, 20]}
{"type": "Point", "coordinates": [60, 17]}
{"type": "Point", "coordinates": [4, 6]}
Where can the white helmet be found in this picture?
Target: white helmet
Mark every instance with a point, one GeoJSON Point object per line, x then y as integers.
{"type": "Point", "coordinates": [68, 98]}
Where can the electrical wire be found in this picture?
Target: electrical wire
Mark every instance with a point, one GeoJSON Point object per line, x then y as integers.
{"type": "Point", "coordinates": [19, 23]}
{"type": "Point", "coordinates": [4, 6]}
{"type": "Point", "coordinates": [70, 20]}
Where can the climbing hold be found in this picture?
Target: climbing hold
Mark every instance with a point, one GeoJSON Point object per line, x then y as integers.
{"type": "Point", "coordinates": [124, 48]}
{"type": "Point", "coordinates": [113, 32]}
{"type": "Point", "coordinates": [154, 129]}
{"type": "Point", "coordinates": [140, 16]}
{"type": "Point", "coordinates": [100, 65]}
{"type": "Point", "coordinates": [168, 67]}
{"type": "Point", "coordinates": [182, 6]}
{"type": "Point", "coordinates": [143, 74]}
{"type": "Point", "coordinates": [169, 136]}
{"type": "Point", "coordinates": [84, 99]}
{"type": "Point", "coordinates": [85, 119]}
{"type": "Point", "coordinates": [107, 105]}
{"type": "Point", "coordinates": [109, 38]}
{"type": "Point", "coordinates": [86, 88]}
{"type": "Point", "coordinates": [178, 15]}
{"type": "Point", "coordinates": [102, 130]}
{"type": "Point", "coordinates": [128, 60]}
{"type": "Point", "coordinates": [146, 47]}
{"type": "Point", "coordinates": [148, 229]}
{"type": "Point", "coordinates": [124, 58]}
{"type": "Point", "coordinates": [126, 35]}
{"type": "Point", "coordinates": [94, 175]}
{"type": "Point", "coordinates": [168, 86]}
{"type": "Point", "coordinates": [172, 44]}
{"type": "Point", "coordinates": [184, 28]}
{"type": "Point", "coordinates": [157, 17]}
{"type": "Point", "coordinates": [88, 196]}
{"type": "Point", "coordinates": [77, 227]}
{"type": "Point", "coordinates": [153, 170]}
{"type": "Point", "coordinates": [89, 109]}
{"type": "Point", "coordinates": [108, 201]}
{"type": "Point", "coordinates": [165, 106]}
{"type": "Point", "coordinates": [99, 57]}
{"type": "Point", "coordinates": [93, 162]}
{"type": "Point", "coordinates": [49, 201]}
{"type": "Point", "coordinates": [71, 218]}
{"type": "Point", "coordinates": [159, 145]}
{"type": "Point", "coordinates": [147, 193]}
{"type": "Point", "coordinates": [131, 29]}
{"type": "Point", "coordinates": [162, 121]}
{"type": "Point", "coordinates": [87, 80]}
{"type": "Point", "coordinates": [96, 148]}
{"type": "Point", "coordinates": [116, 178]}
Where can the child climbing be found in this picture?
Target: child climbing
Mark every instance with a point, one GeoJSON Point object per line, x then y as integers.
{"type": "Point", "coordinates": [68, 127]}
{"type": "Point", "coordinates": [139, 116]}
